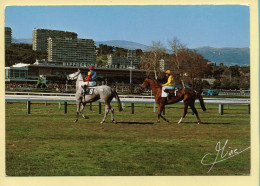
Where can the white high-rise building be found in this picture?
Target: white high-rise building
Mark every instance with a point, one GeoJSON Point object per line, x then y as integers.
{"type": "Point", "coordinates": [71, 52]}
{"type": "Point", "coordinates": [40, 37]}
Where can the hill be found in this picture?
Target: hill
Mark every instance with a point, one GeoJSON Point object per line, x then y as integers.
{"type": "Point", "coordinates": [228, 56]}
{"type": "Point", "coordinates": [22, 41]}
{"type": "Point", "coordinates": [124, 44]}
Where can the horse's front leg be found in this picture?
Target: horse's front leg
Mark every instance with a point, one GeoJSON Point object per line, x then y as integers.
{"type": "Point", "coordinates": [160, 109]}
{"type": "Point", "coordinates": [81, 110]}
{"type": "Point", "coordinates": [78, 109]}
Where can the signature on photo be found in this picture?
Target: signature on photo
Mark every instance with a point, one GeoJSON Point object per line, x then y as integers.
{"type": "Point", "coordinates": [221, 154]}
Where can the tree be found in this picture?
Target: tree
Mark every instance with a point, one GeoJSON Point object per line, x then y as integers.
{"type": "Point", "coordinates": [139, 53]}
{"type": "Point", "coordinates": [150, 61]}
{"type": "Point", "coordinates": [205, 84]}
{"type": "Point", "coordinates": [245, 85]}
{"type": "Point", "coordinates": [235, 71]}
{"type": "Point", "coordinates": [187, 64]}
{"type": "Point", "coordinates": [198, 85]}
{"type": "Point", "coordinates": [177, 47]}
{"type": "Point", "coordinates": [105, 50]}
{"type": "Point", "coordinates": [120, 52]}
{"type": "Point", "coordinates": [225, 85]}
{"type": "Point", "coordinates": [195, 66]}
{"type": "Point", "coordinates": [234, 85]}
{"type": "Point", "coordinates": [216, 84]}
{"type": "Point", "coordinates": [22, 53]}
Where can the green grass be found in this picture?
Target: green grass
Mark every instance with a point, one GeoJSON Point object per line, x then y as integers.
{"type": "Point", "coordinates": [48, 143]}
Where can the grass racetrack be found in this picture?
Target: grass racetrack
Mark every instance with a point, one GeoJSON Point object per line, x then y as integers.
{"type": "Point", "coordinates": [48, 143]}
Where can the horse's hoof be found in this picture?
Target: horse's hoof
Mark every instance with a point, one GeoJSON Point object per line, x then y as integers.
{"type": "Point", "coordinates": [198, 123]}
{"type": "Point", "coordinates": [102, 122]}
{"type": "Point", "coordinates": [76, 120]}
{"type": "Point", "coordinates": [113, 121]}
{"type": "Point", "coordinates": [180, 121]}
{"type": "Point", "coordinates": [85, 117]}
{"type": "Point", "coordinates": [158, 121]}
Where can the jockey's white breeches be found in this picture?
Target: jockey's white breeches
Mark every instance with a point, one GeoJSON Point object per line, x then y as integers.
{"type": "Point", "coordinates": [164, 94]}
{"type": "Point", "coordinates": [89, 83]}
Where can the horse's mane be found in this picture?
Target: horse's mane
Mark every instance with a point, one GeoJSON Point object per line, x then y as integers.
{"type": "Point", "coordinates": [155, 82]}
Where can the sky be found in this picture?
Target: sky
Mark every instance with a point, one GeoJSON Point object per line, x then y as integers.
{"type": "Point", "coordinates": [194, 25]}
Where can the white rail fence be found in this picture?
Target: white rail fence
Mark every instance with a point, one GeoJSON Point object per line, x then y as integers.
{"type": "Point", "coordinates": [30, 97]}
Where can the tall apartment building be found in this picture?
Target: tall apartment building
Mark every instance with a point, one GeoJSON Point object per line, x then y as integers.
{"type": "Point", "coordinates": [113, 60]}
{"type": "Point", "coordinates": [71, 52]}
{"type": "Point", "coordinates": [40, 37]}
{"type": "Point", "coordinates": [125, 61]}
{"type": "Point", "coordinates": [8, 36]}
{"type": "Point", "coordinates": [131, 58]}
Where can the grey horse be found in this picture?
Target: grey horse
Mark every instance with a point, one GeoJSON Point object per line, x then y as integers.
{"type": "Point", "coordinates": [104, 93]}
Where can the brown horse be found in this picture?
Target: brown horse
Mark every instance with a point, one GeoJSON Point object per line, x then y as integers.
{"type": "Point", "coordinates": [186, 94]}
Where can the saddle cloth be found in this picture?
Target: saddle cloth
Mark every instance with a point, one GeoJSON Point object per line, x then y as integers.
{"type": "Point", "coordinates": [89, 83]}
{"type": "Point", "coordinates": [89, 89]}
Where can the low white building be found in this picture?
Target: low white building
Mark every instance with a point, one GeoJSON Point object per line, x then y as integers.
{"type": "Point", "coordinates": [17, 72]}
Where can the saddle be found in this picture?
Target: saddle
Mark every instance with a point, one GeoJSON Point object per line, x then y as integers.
{"type": "Point", "coordinates": [87, 90]}
{"type": "Point", "coordinates": [171, 93]}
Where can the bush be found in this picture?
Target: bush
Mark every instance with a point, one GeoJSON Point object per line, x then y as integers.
{"type": "Point", "coordinates": [226, 85]}
{"type": "Point", "coordinates": [245, 85]}
{"type": "Point", "coordinates": [205, 84]}
{"type": "Point", "coordinates": [216, 84]}
{"type": "Point", "coordinates": [198, 85]}
{"type": "Point", "coordinates": [234, 85]}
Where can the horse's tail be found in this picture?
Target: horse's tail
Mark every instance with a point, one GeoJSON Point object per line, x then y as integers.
{"type": "Point", "coordinates": [199, 96]}
{"type": "Point", "coordinates": [118, 101]}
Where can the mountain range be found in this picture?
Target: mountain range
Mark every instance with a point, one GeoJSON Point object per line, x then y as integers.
{"type": "Point", "coordinates": [228, 56]}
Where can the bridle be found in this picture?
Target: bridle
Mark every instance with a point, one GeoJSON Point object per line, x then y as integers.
{"type": "Point", "coordinates": [74, 76]}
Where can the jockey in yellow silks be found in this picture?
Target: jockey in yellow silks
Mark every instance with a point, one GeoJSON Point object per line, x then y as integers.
{"type": "Point", "coordinates": [170, 83]}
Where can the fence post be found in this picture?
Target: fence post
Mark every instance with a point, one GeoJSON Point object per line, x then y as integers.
{"type": "Point", "coordinates": [59, 105]}
{"type": "Point", "coordinates": [90, 106]}
{"type": "Point", "coordinates": [133, 108]}
{"type": "Point", "coordinates": [65, 107]}
{"type": "Point", "coordinates": [249, 108]}
{"type": "Point", "coordinates": [99, 108]}
{"type": "Point", "coordinates": [220, 109]}
{"type": "Point", "coordinates": [28, 107]}
{"type": "Point", "coordinates": [154, 107]}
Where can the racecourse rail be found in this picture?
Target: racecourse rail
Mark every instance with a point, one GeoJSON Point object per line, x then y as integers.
{"type": "Point", "coordinates": [29, 97]}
